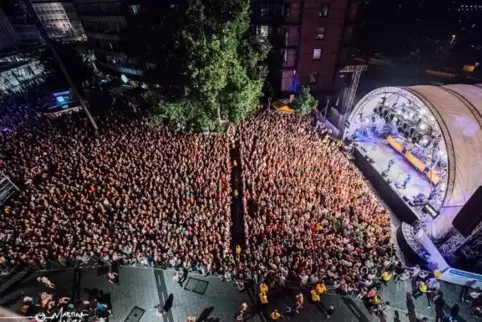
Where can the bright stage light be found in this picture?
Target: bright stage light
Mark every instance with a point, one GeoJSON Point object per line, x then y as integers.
{"type": "Point", "coordinates": [424, 141]}
{"type": "Point", "coordinates": [395, 119]}
{"type": "Point", "coordinates": [423, 126]}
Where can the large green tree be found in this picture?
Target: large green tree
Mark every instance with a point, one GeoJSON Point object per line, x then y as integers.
{"type": "Point", "coordinates": [305, 102]}
{"type": "Point", "coordinates": [220, 64]}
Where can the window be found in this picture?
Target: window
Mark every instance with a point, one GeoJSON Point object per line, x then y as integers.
{"type": "Point", "coordinates": [289, 58]}
{"type": "Point", "coordinates": [324, 9]}
{"type": "Point", "coordinates": [314, 78]}
{"type": "Point", "coordinates": [288, 83]}
{"type": "Point", "coordinates": [320, 33]}
{"type": "Point", "coordinates": [317, 53]}
{"type": "Point", "coordinates": [134, 9]}
{"type": "Point", "coordinates": [263, 31]}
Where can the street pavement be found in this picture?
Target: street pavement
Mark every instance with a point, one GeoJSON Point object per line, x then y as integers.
{"type": "Point", "coordinates": [208, 298]}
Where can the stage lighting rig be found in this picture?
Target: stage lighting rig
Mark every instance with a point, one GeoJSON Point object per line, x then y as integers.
{"type": "Point", "coordinates": [424, 141]}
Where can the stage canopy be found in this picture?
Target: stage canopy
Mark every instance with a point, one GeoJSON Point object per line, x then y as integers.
{"type": "Point", "coordinates": [454, 113]}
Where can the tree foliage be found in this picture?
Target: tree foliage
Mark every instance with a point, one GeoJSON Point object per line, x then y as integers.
{"type": "Point", "coordinates": [305, 103]}
{"type": "Point", "coordinates": [219, 63]}
{"type": "Point", "coordinates": [74, 63]}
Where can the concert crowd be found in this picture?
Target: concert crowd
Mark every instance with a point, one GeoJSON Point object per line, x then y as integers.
{"type": "Point", "coordinates": [154, 196]}
{"type": "Point", "coordinates": [134, 193]}
{"type": "Point", "coordinates": [145, 195]}
{"type": "Point", "coordinates": [311, 216]}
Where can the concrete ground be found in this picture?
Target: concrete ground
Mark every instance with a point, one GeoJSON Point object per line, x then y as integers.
{"type": "Point", "coordinates": [208, 298]}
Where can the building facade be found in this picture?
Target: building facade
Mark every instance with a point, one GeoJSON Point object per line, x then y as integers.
{"type": "Point", "coordinates": [310, 39]}
{"type": "Point", "coordinates": [9, 39]}
{"type": "Point", "coordinates": [23, 23]}
{"type": "Point", "coordinates": [104, 21]}
{"type": "Point", "coordinates": [59, 19]}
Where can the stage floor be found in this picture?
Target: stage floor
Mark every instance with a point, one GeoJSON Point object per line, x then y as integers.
{"type": "Point", "coordinates": [381, 153]}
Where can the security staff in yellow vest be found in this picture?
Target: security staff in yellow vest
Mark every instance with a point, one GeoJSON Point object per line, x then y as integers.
{"type": "Point", "coordinates": [263, 298]}
{"type": "Point", "coordinates": [315, 297]}
{"type": "Point", "coordinates": [263, 288]}
{"type": "Point", "coordinates": [320, 288]}
{"type": "Point", "coordinates": [386, 277]}
{"type": "Point", "coordinates": [422, 289]}
{"type": "Point", "coordinates": [275, 315]}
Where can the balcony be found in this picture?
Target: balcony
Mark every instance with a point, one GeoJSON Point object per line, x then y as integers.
{"type": "Point", "coordinates": [285, 37]}
{"type": "Point", "coordinates": [276, 14]}
{"type": "Point", "coordinates": [288, 58]}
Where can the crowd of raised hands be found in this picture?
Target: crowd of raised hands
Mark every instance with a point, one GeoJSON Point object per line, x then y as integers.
{"type": "Point", "coordinates": [133, 192]}
{"type": "Point", "coordinates": [149, 195]}
{"type": "Point", "coordinates": [310, 214]}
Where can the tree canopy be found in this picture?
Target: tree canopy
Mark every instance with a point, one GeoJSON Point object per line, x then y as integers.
{"type": "Point", "coordinates": [305, 103]}
{"type": "Point", "coordinates": [218, 60]}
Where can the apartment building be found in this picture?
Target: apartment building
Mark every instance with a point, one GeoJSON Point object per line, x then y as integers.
{"type": "Point", "coordinates": [9, 39]}
{"type": "Point", "coordinates": [310, 39]}
{"type": "Point", "coordinates": [60, 20]}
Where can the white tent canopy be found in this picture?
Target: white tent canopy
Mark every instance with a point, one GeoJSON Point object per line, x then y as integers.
{"type": "Point", "coordinates": [455, 112]}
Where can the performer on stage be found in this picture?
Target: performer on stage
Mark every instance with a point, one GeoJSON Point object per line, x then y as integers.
{"type": "Point", "coordinates": [407, 180]}
{"type": "Point", "coordinates": [390, 164]}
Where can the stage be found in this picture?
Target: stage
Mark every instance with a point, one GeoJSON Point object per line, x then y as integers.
{"type": "Point", "coordinates": [416, 247]}
{"type": "Point", "coordinates": [381, 153]}
{"type": "Point", "coordinates": [364, 152]}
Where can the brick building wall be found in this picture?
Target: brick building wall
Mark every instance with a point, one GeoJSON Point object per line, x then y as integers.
{"type": "Point", "coordinates": [321, 45]}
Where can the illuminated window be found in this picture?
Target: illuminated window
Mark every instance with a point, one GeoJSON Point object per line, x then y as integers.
{"type": "Point", "coordinates": [317, 53]}
{"type": "Point", "coordinates": [320, 33]}
{"type": "Point", "coordinates": [263, 31]}
{"type": "Point", "coordinates": [324, 7]}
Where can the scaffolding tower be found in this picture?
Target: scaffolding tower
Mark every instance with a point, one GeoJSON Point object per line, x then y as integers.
{"type": "Point", "coordinates": [350, 92]}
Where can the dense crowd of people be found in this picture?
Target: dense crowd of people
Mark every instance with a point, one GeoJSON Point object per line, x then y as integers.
{"type": "Point", "coordinates": [154, 196]}
{"type": "Point", "coordinates": [148, 195]}
{"type": "Point", "coordinates": [311, 216]}
{"type": "Point", "coordinates": [151, 195]}
{"type": "Point", "coordinates": [133, 193]}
